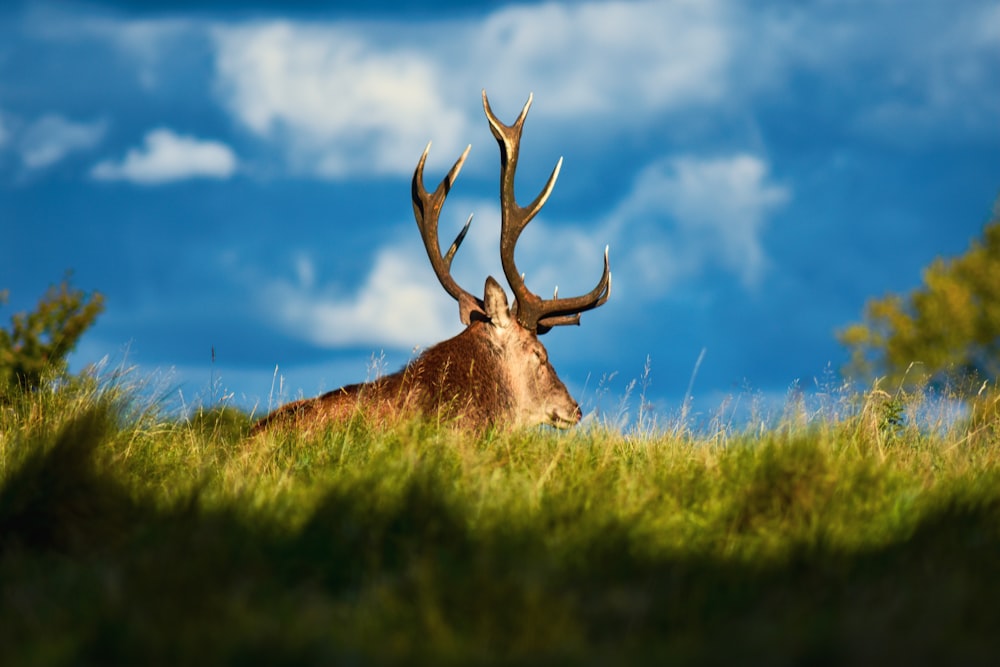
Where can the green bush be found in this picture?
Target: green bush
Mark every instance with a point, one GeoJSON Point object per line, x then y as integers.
{"type": "Point", "coordinates": [38, 342]}
{"type": "Point", "coordinates": [946, 330]}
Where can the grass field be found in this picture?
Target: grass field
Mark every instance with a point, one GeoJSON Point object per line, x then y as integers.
{"type": "Point", "coordinates": [858, 535]}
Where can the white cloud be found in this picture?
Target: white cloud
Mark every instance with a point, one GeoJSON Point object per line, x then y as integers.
{"type": "Point", "coordinates": [149, 46]}
{"type": "Point", "coordinates": [305, 270]}
{"type": "Point", "coordinates": [695, 212]}
{"type": "Point", "coordinates": [399, 304]}
{"type": "Point", "coordinates": [165, 157]}
{"type": "Point", "coordinates": [147, 43]}
{"type": "Point", "coordinates": [606, 58]}
{"type": "Point", "coordinates": [900, 74]}
{"type": "Point", "coordinates": [345, 104]}
{"type": "Point", "coordinates": [364, 98]}
{"type": "Point", "coordinates": [52, 137]}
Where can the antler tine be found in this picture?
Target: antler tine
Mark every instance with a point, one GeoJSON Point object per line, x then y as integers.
{"type": "Point", "coordinates": [533, 312]}
{"type": "Point", "coordinates": [567, 311]}
{"type": "Point", "coordinates": [450, 255]}
{"type": "Point", "coordinates": [427, 210]}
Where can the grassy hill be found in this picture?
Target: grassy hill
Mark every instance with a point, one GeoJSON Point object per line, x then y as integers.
{"type": "Point", "coordinates": [131, 536]}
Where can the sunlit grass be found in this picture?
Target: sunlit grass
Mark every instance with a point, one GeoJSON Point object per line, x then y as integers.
{"type": "Point", "coordinates": [848, 527]}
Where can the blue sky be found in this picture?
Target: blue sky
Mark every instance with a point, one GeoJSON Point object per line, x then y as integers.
{"type": "Point", "coordinates": [238, 179]}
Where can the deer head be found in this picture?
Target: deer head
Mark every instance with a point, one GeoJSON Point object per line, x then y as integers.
{"type": "Point", "coordinates": [538, 395]}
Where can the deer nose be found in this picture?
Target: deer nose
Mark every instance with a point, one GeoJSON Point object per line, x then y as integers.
{"type": "Point", "coordinates": [577, 413]}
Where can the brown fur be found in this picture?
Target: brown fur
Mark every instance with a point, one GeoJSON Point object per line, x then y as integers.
{"type": "Point", "coordinates": [494, 373]}
{"type": "Point", "coordinates": [464, 380]}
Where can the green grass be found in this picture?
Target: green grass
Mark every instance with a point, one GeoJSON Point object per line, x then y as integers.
{"type": "Point", "coordinates": [129, 536]}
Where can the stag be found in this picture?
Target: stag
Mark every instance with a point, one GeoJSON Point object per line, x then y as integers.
{"type": "Point", "coordinates": [495, 372]}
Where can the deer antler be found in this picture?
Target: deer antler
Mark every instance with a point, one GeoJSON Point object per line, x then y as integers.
{"type": "Point", "coordinates": [532, 312]}
{"type": "Point", "coordinates": [427, 209]}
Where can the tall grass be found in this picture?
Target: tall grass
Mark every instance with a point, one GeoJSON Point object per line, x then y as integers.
{"type": "Point", "coordinates": [857, 530]}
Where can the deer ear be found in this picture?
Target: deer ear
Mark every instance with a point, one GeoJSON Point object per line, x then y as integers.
{"type": "Point", "coordinates": [495, 301]}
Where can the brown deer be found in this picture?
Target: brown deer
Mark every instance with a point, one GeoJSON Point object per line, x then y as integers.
{"type": "Point", "coordinates": [494, 373]}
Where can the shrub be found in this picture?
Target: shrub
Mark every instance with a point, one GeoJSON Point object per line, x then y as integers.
{"type": "Point", "coordinates": [38, 342]}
